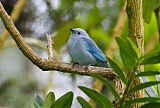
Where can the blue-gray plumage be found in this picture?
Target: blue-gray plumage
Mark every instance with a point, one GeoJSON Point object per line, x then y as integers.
{"type": "Point", "coordinates": [83, 49]}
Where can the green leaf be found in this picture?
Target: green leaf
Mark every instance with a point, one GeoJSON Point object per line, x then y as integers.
{"type": "Point", "coordinates": [142, 86]}
{"type": "Point", "coordinates": [148, 7]}
{"type": "Point", "coordinates": [38, 102]}
{"type": "Point", "coordinates": [108, 85]}
{"type": "Point", "coordinates": [64, 102]}
{"type": "Point", "coordinates": [127, 53]}
{"type": "Point", "coordinates": [152, 58]}
{"type": "Point", "coordinates": [99, 98]}
{"type": "Point", "coordinates": [140, 100]}
{"type": "Point", "coordinates": [50, 99]}
{"type": "Point", "coordinates": [148, 73]}
{"type": "Point", "coordinates": [118, 71]}
{"type": "Point", "coordinates": [151, 105]}
{"type": "Point", "coordinates": [83, 102]}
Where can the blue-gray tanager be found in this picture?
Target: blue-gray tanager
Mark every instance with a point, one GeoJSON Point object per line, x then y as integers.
{"type": "Point", "coordinates": [83, 49]}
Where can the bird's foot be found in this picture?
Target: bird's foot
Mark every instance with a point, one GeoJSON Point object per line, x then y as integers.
{"type": "Point", "coordinates": [75, 65]}
{"type": "Point", "coordinates": [87, 67]}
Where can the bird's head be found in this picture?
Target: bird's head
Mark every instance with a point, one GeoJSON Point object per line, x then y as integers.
{"type": "Point", "coordinates": [79, 32]}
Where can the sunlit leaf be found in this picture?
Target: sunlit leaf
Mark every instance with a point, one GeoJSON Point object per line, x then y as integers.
{"type": "Point", "coordinates": [83, 102]}
{"type": "Point", "coordinates": [118, 71]}
{"type": "Point", "coordinates": [140, 100]}
{"type": "Point", "coordinates": [127, 52]}
{"type": "Point", "coordinates": [142, 86]}
{"type": "Point", "coordinates": [99, 98]}
{"type": "Point", "coordinates": [108, 85]}
{"type": "Point", "coordinates": [50, 99]}
{"type": "Point", "coordinates": [64, 102]}
{"type": "Point", "coordinates": [38, 102]}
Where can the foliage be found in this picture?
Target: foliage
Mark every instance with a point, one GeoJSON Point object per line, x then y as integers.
{"type": "Point", "coordinates": [64, 101]}
{"type": "Point", "coordinates": [38, 102]}
{"type": "Point", "coordinates": [151, 58]}
{"type": "Point", "coordinates": [83, 102]}
{"type": "Point", "coordinates": [49, 101]}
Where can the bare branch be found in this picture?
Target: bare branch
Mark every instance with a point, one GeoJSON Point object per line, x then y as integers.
{"type": "Point", "coordinates": [49, 46]}
{"type": "Point", "coordinates": [50, 57]}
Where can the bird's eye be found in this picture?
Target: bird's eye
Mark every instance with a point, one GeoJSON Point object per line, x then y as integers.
{"type": "Point", "coordinates": [78, 33]}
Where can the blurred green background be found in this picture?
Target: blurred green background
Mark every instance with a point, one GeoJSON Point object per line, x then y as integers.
{"type": "Point", "coordinates": [104, 20]}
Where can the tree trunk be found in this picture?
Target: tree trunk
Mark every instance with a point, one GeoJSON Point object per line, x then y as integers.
{"type": "Point", "coordinates": [135, 32]}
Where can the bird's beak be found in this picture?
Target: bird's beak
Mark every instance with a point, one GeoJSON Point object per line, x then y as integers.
{"type": "Point", "coordinates": [72, 30]}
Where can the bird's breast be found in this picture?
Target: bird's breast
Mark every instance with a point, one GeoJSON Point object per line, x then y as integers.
{"type": "Point", "coordinates": [79, 53]}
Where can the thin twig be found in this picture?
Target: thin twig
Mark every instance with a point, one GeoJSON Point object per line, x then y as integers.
{"type": "Point", "coordinates": [49, 46]}
{"type": "Point", "coordinates": [50, 57]}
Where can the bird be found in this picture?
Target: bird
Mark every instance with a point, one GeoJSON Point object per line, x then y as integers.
{"type": "Point", "coordinates": [84, 51]}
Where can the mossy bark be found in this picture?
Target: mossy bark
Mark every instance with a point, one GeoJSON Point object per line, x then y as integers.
{"type": "Point", "coordinates": [135, 32]}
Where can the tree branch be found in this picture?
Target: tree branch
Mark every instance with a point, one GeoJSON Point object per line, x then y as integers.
{"type": "Point", "coordinates": [50, 51]}
{"type": "Point", "coordinates": [45, 64]}
{"type": "Point", "coordinates": [50, 57]}
{"type": "Point", "coordinates": [135, 32]}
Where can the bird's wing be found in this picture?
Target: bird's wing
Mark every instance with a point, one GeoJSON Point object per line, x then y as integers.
{"type": "Point", "coordinates": [93, 49]}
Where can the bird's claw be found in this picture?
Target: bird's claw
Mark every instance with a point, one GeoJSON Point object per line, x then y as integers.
{"type": "Point", "coordinates": [87, 67]}
{"type": "Point", "coordinates": [74, 65]}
